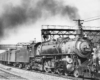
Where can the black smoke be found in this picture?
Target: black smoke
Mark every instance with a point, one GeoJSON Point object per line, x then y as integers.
{"type": "Point", "coordinates": [30, 11]}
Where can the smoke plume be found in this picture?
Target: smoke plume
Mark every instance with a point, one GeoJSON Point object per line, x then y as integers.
{"type": "Point", "coordinates": [31, 11]}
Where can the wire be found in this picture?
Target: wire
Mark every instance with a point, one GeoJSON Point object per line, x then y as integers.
{"type": "Point", "coordinates": [92, 17]}
{"type": "Point", "coordinates": [91, 20]}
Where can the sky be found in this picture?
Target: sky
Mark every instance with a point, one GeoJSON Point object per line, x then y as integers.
{"type": "Point", "coordinates": [28, 26]}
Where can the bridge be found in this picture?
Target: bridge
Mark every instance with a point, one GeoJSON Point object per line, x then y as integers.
{"type": "Point", "coordinates": [49, 31]}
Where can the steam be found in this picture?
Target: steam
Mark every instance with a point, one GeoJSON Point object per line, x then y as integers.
{"type": "Point", "coordinates": [31, 11]}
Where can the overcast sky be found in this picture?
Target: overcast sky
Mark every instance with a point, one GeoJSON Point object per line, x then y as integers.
{"type": "Point", "coordinates": [85, 8]}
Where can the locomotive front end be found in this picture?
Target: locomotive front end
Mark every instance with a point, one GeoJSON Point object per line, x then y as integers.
{"type": "Point", "coordinates": [77, 52]}
{"type": "Point", "coordinates": [83, 48]}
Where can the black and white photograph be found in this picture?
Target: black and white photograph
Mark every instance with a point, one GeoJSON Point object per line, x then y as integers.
{"type": "Point", "coordinates": [49, 39]}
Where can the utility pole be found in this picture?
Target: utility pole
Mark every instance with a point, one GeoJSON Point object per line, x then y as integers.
{"type": "Point", "coordinates": [80, 30]}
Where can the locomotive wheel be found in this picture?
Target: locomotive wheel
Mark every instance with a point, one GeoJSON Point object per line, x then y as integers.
{"type": "Point", "coordinates": [20, 66]}
{"type": "Point", "coordinates": [66, 74]}
{"type": "Point", "coordinates": [27, 67]}
{"type": "Point", "coordinates": [47, 70]}
{"type": "Point", "coordinates": [57, 71]}
{"type": "Point", "coordinates": [76, 73]}
{"type": "Point", "coordinates": [15, 65]}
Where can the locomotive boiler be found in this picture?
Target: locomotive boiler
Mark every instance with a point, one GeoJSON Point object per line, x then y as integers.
{"type": "Point", "coordinates": [81, 46]}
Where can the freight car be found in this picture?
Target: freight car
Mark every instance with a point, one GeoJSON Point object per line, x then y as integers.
{"type": "Point", "coordinates": [15, 56]}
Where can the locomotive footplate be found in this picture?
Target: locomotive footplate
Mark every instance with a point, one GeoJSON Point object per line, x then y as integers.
{"type": "Point", "coordinates": [44, 56]}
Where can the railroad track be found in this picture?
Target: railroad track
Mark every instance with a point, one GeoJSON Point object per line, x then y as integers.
{"type": "Point", "coordinates": [62, 76]}
{"type": "Point", "coordinates": [53, 75]}
{"type": "Point", "coordinates": [6, 75]}
{"type": "Point", "coordinates": [50, 74]}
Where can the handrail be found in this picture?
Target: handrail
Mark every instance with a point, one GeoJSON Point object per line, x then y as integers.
{"type": "Point", "coordinates": [69, 27]}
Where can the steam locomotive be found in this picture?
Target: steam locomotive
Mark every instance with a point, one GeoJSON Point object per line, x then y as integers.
{"type": "Point", "coordinates": [62, 56]}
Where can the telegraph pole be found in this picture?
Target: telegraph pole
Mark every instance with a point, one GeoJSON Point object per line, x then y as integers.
{"type": "Point", "coordinates": [80, 30]}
